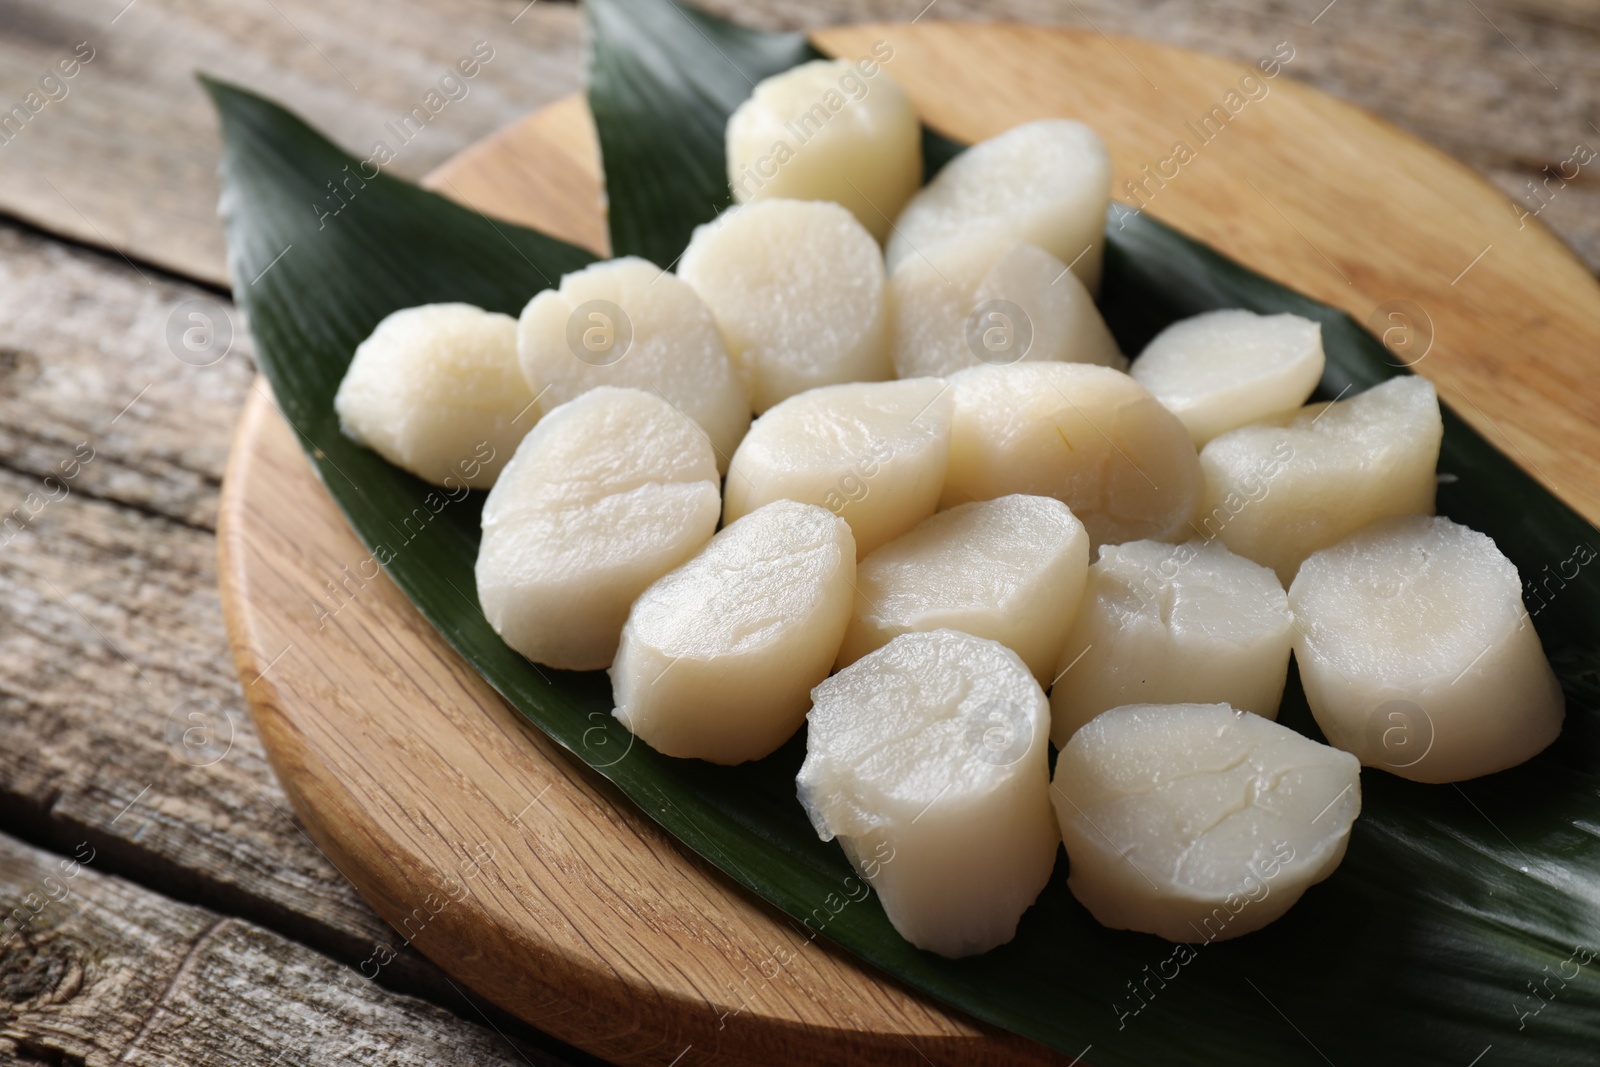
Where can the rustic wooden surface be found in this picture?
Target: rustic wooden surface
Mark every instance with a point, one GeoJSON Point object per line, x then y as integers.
{"type": "Point", "coordinates": [125, 562]}
{"type": "Point", "coordinates": [101, 969]}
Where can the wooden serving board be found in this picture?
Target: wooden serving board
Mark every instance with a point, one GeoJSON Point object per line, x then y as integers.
{"type": "Point", "coordinates": [532, 881]}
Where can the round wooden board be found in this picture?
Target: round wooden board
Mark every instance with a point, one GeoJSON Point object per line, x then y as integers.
{"type": "Point", "coordinates": [531, 880]}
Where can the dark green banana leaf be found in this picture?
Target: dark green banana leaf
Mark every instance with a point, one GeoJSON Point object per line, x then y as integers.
{"type": "Point", "coordinates": [1461, 921]}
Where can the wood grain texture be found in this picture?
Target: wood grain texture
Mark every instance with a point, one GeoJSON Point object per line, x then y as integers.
{"type": "Point", "coordinates": [95, 970]}
{"type": "Point", "coordinates": [113, 636]}
{"type": "Point", "coordinates": [127, 159]}
{"type": "Point", "coordinates": [116, 633]}
{"type": "Point", "coordinates": [400, 759]}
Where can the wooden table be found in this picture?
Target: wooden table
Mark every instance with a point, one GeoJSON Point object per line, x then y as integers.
{"type": "Point", "coordinates": [171, 912]}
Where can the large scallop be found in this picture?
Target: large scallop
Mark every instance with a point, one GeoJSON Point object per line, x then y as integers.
{"type": "Point", "coordinates": [1275, 492]}
{"type": "Point", "coordinates": [1417, 654]}
{"type": "Point", "coordinates": [1046, 182]}
{"type": "Point", "coordinates": [626, 322]}
{"type": "Point", "coordinates": [1010, 569]}
{"type": "Point", "coordinates": [605, 495]}
{"type": "Point", "coordinates": [1089, 436]}
{"type": "Point", "coordinates": [992, 300]}
{"type": "Point", "coordinates": [1226, 369]}
{"type": "Point", "coordinates": [927, 760]}
{"type": "Point", "coordinates": [828, 130]}
{"type": "Point", "coordinates": [873, 453]}
{"type": "Point", "coordinates": [436, 389]}
{"type": "Point", "coordinates": [719, 656]}
{"type": "Point", "coordinates": [1197, 822]}
{"type": "Point", "coordinates": [797, 288]}
{"type": "Point", "coordinates": [1173, 624]}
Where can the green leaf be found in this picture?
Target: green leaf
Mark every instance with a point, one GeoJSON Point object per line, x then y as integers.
{"type": "Point", "coordinates": [1453, 903]}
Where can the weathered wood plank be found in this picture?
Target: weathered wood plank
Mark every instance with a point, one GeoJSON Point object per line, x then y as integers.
{"type": "Point", "coordinates": [120, 718]}
{"type": "Point", "coordinates": [96, 395]}
{"type": "Point", "coordinates": [127, 157]}
{"type": "Point", "coordinates": [118, 699]}
{"type": "Point", "coordinates": [116, 636]}
{"type": "Point", "coordinates": [96, 970]}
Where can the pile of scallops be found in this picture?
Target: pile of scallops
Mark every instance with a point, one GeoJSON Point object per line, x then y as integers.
{"type": "Point", "coordinates": [870, 461]}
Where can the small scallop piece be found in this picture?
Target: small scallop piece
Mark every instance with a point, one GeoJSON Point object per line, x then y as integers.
{"type": "Point", "coordinates": [1010, 569]}
{"type": "Point", "coordinates": [436, 390]}
{"type": "Point", "coordinates": [627, 323]}
{"type": "Point", "coordinates": [1277, 492]}
{"type": "Point", "coordinates": [1046, 182]}
{"type": "Point", "coordinates": [828, 130]}
{"type": "Point", "coordinates": [605, 495]}
{"type": "Point", "coordinates": [1089, 436]}
{"type": "Point", "coordinates": [992, 300]}
{"type": "Point", "coordinates": [928, 761]}
{"type": "Point", "coordinates": [719, 656]}
{"type": "Point", "coordinates": [873, 453]}
{"type": "Point", "coordinates": [1173, 624]}
{"type": "Point", "coordinates": [1225, 369]}
{"type": "Point", "coordinates": [797, 288]}
{"type": "Point", "coordinates": [1417, 654]}
{"type": "Point", "coordinates": [1197, 822]}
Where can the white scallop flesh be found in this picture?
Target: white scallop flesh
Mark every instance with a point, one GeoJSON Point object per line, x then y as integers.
{"type": "Point", "coordinates": [1278, 491]}
{"type": "Point", "coordinates": [928, 761]}
{"type": "Point", "coordinates": [1173, 624]}
{"type": "Point", "coordinates": [625, 322]}
{"type": "Point", "coordinates": [797, 288]}
{"type": "Point", "coordinates": [1046, 182]}
{"type": "Point", "coordinates": [873, 453]}
{"type": "Point", "coordinates": [1197, 822]}
{"type": "Point", "coordinates": [605, 495]}
{"type": "Point", "coordinates": [1417, 654]}
{"type": "Point", "coordinates": [719, 656]}
{"type": "Point", "coordinates": [436, 390]}
{"type": "Point", "coordinates": [992, 300]}
{"type": "Point", "coordinates": [827, 130]}
{"type": "Point", "coordinates": [1089, 436]}
{"type": "Point", "coordinates": [1226, 369]}
{"type": "Point", "coordinates": [1010, 569]}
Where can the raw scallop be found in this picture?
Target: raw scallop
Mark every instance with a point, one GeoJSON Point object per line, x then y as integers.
{"type": "Point", "coordinates": [797, 288]}
{"type": "Point", "coordinates": [436, 390]}
{"type": "Point", "coordinates": [1417, 654]}
{"type": "Point", "coordinates": [605, 495]}
{"type": "Point", "coordinates": [828, 130]}
{"type": "Point", "coordinates": [928, 761]}
{"type": "Point", "coordinates": [1225, 369]}
{"type": "Point", "coordinates": [719, 656]}
{"type": "Point", "coordinates": [1010, 569]}
{"type": "Point", "coordinates": [1277, 492]}
{"type": "Point", "coordinates": [1197, 822]}
{"type": "Point", "coordinates": [996, 301]}
{"type": "Point", "coordinates": [1046, 182]}
{"type": "Point", "coordinates": [873, 453]}
{"type": "Point", "coordinates": [1173, 624]}
{"type": "Point", "coordinates": [1089, 436]}
{"type": "Point", "coordinates": [626, 322]}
